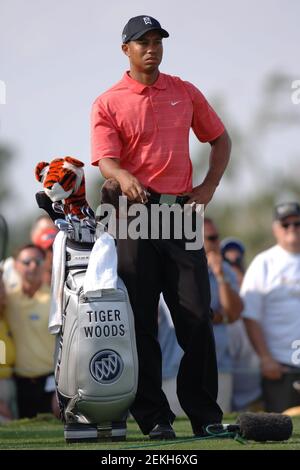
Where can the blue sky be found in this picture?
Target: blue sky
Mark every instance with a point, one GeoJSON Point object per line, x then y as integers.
{"type": "Point", "coordinates": [57, 57]}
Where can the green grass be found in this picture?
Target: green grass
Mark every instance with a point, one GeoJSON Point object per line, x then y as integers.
{"type": "Point", "coordinates": [44, 432]}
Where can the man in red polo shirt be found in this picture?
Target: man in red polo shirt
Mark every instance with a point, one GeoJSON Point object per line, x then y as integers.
{"type": "Point", "coordinates": [140, 137]}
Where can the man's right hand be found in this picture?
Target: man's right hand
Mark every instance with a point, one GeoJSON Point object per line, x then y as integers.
{"type": "Point", "coordinates": [129, 184]}
{"type": "Point", "coordinates": [131, 187]}
{"type": "Point", "coordinates": [270, 368]}
{"type": "Point", "coordinates": [215, 262]}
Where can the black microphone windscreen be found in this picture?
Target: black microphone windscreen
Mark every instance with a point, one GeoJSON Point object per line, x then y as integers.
{"type": "Point", "coordinates": [263, 427]}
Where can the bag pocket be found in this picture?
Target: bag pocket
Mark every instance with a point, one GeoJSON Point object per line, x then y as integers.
{"type": "Point", "coordinates": [107, 364]}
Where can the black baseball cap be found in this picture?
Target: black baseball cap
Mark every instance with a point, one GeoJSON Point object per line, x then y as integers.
{"type": "Point", "coordinates": [139, 25]}
{"type": "Point", "coordinates": [286, 209]}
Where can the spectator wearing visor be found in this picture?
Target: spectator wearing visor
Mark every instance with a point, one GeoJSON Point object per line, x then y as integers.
{"type": "Point", "coordinates": [42, 234]}
{"type": "Point", "coordinates": [45, 239]}
{"type": "Point", "coordinates": [246, 391]}
{"type": "Point", "coordinates": [233, 251]}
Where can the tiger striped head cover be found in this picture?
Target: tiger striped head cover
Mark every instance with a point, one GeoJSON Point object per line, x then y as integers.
{"type": "Point", "coordinates": [63, 180]}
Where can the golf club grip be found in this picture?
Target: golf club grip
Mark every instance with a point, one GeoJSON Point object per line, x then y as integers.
{"type": "Point", "coordinates": [44, 202]}
{"type": "Point", "coordinates": [4, 237]}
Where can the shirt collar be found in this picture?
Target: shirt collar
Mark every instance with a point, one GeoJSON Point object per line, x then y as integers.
{"type": "Point", "coordinates": [138, 87]}
{"type": "Point", "coordinates": [42, 290]}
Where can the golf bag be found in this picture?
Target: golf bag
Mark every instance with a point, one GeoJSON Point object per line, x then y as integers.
{"type": "Point", "coordinates": [96, 366]}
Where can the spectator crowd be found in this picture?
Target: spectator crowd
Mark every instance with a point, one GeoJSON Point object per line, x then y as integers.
{"type": "Point", "coordinates": [254, 311]}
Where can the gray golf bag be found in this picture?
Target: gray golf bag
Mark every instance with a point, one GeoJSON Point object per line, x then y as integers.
{"type": "Point", "coordinates": [96, 367]}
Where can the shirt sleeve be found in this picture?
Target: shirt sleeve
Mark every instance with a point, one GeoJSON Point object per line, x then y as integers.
{"type": "Point", "coordinates": [231, 276]}
{"type": "Point", "coordinates": [106, 142]}
{"type": "Point", "coordinates": [206, 123]}
{"type": "Point", "coordinates": [252, 290]}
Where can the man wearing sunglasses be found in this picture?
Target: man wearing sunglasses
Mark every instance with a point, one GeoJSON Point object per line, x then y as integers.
{"type": "Point", "coordinates": [271, 293]}
{"type": "Point", "coordinates": [26, 312]}
{"type": "Point", "coordinates": [226, 305]}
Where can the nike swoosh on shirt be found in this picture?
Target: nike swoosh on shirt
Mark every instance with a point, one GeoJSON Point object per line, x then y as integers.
{"type": "Point", "coordinates": [173, 103]}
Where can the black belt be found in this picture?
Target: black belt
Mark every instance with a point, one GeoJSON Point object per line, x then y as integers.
{"type": "Point", "coordinates": [170, 199]}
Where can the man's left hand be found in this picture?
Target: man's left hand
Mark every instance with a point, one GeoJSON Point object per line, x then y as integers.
{"type": "Point", "coordinates": [201, 194]}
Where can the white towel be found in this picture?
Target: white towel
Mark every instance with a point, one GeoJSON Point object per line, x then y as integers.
{"type": "Point", "coordinates": [102, 269]}
{"type": "Point", "coordinates": [57, 282]}
{"type": "Point", "coordinates": [164, 310]}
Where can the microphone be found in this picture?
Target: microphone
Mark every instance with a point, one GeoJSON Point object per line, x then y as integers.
{"type": "Point", "coordinates": [261, 427]}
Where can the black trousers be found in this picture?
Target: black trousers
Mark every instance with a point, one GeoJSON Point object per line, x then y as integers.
{"type": "Point", "coordinates": [149, 267]}
{"type": "Point", "coordinates": [32, 397]}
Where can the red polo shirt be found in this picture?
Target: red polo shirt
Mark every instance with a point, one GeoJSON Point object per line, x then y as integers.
{"type": "Point", "coordinates": [147, 128]}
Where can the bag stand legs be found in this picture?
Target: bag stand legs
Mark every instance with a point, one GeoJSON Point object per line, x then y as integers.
{"type": "Point", "coordinates": [113, 431]}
